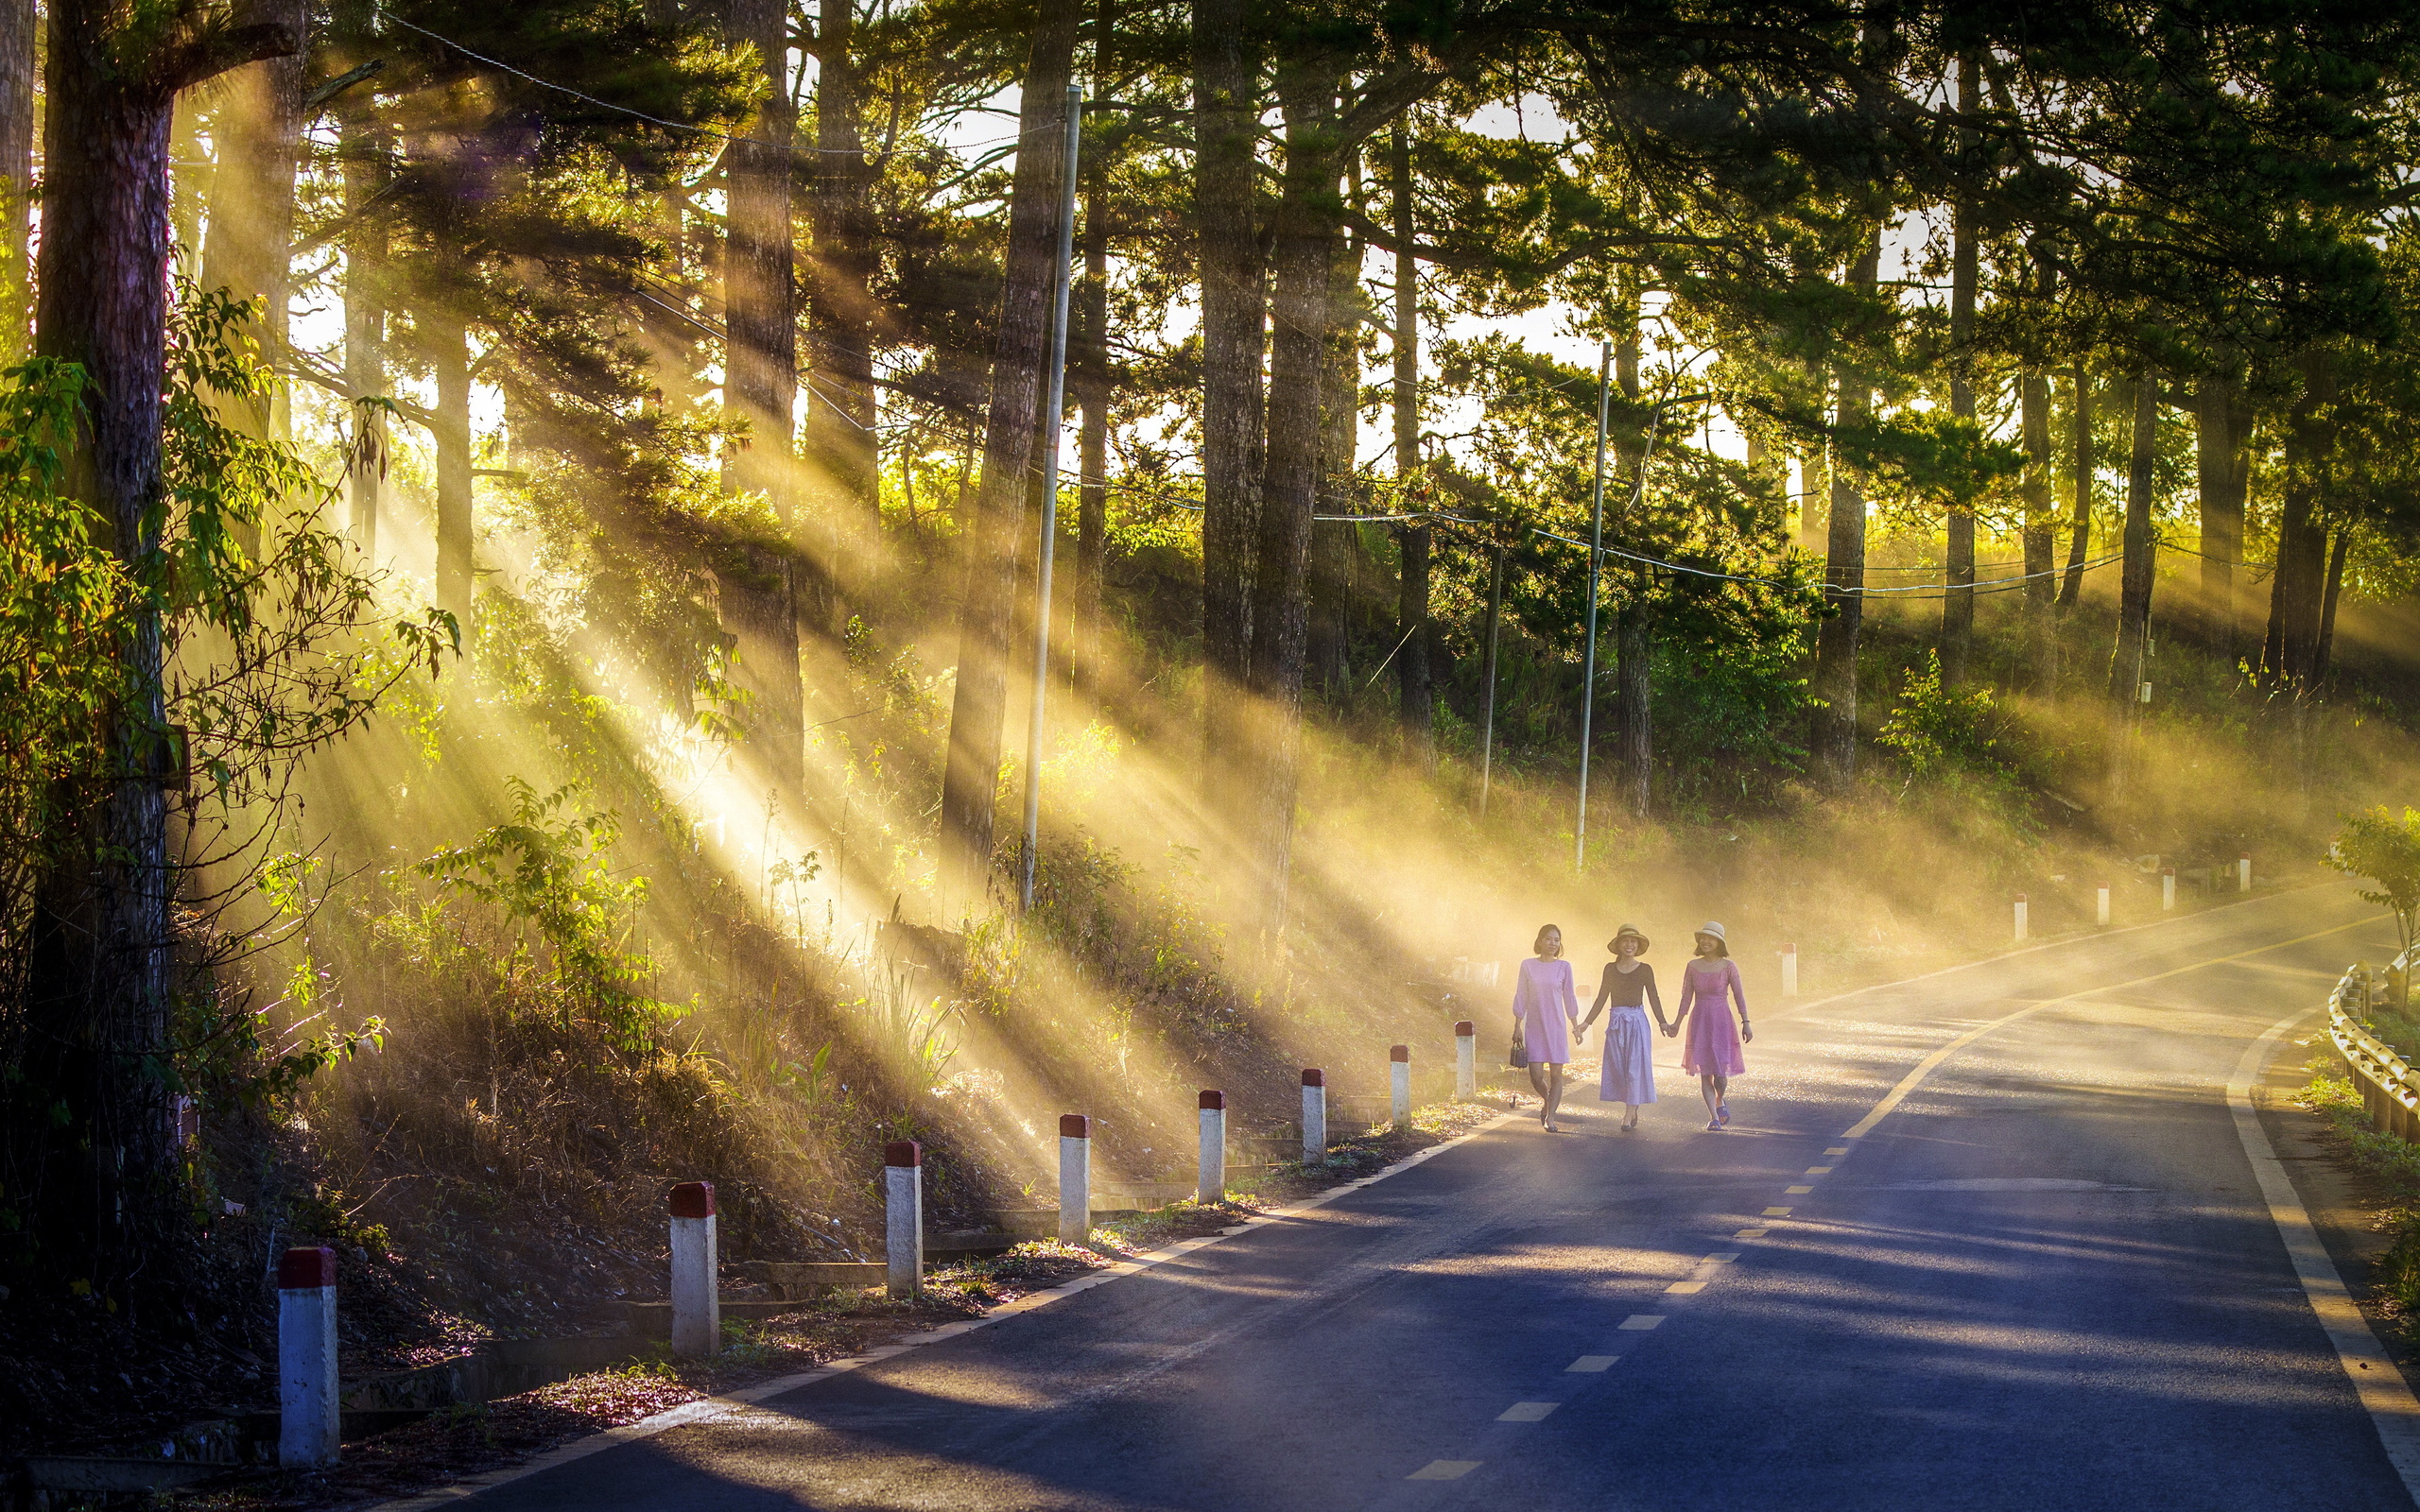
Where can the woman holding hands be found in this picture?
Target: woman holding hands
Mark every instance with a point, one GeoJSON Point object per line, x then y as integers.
{"type": "Point", "coordinates": [1629, 985]}
{"type": "Point", "coordinates": [1709, 985]}
{"type": "Point", "coordinates": [1544, 1008]}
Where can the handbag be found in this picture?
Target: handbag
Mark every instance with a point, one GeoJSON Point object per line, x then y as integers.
{"type": "Point", "coordinates": [1519, 1060]}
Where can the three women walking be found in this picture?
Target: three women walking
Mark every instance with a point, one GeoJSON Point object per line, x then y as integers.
{"type": "Point", "coordinates": [1547, 1023]}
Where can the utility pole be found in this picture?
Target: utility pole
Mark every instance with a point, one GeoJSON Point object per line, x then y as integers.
{"type": "Point", "coordinates": [1595, 560]}
{"type": "Point", "coordinates": [1051, 416]}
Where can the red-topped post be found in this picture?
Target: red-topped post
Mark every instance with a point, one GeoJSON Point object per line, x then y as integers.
{"type": "Point", "coordinates": [1075, 1178]}
{"type": "Point", "coordinates": [1212, 1185]}
{"type": "Point", "coordinates": [1465, 1060]}
{"type": "Point", "coordinates": [1314, 1116]}
{"type": "Point", "coordinates": [903, 1172]}
{"type": "Point", "coordinates": [1399, 1084]}
{"type": "Point", "coordinates": [309, 1421]}
{"type": "Point", "coordinates": [697, 1300]}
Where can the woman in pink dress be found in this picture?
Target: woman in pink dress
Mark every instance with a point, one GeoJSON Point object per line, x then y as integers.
{"type": "Point", "coordinates": [1709, 985]}
{"type": "Point", "coordinates": [1543, 1009]}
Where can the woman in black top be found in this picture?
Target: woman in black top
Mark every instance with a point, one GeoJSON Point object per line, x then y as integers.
{"type": "Point", "coordinates": [1628, 986]}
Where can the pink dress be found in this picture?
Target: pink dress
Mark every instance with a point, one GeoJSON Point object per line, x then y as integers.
{"type": "Point", "coordinates": [1546, 1007]}
{"type": "Point", "coordinates": [1710, 1045]}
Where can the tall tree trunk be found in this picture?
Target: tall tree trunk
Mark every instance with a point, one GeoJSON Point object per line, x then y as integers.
{"type": "Point", "coordinates": [98, 984]}
{"type": "Point", "coordinates": [1814, 491]}
{"type": "Point", "coordinates": [449, 362]}
{"type": "Point", "coordinates": [1093, 393]}
{"type": "Point", "coordinates": [16, 173]}
{"type": "Point", "coordinates": [1634, 622]}
{"type": "Point", "coordinates": [1834, 722]}
{"type": "Point", "coordinates": [1301, 264]}
{"type": "Point", "coordinates": [2325, 656]}
{"type": "Point", "coordinates": [2039, 532]}
{"type": "Point", "coordinates": [363, 155]}
{"type": "Point", "coordinates": [2080, 459]}
{"type": "Point", "coordinates": [1416, 701]}
{"type": "Point", "coordinates": [2140, 561]}
{"type": "Point", "coordinates": [1334, 541]}
{"type": "Point", "coordinates": [1226, 109]}
{"type": "Point", "coordinates": [843, 446]}
{"type": "Point", "coordinates": [2222, 464]}
{"type": "Point", "coordinates": [1957, 603]}
{"type": "Point", "coordinates": [995, 545]}
{"type": "Point", "coordinates": [258, 126]}
{"type": "Point", "coordinates": [2293, 649]}
{"type": "Point", "coordinates": [759, 594]}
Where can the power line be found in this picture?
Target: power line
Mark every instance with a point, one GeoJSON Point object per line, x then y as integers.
{"type": "Point", "coordinates": [642, 116]}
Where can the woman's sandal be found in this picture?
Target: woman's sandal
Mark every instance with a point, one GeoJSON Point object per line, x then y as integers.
{"type": "Point", "coordinates": [1723, 1113]}
{"type": "Point", "coordinates": [1714, 1126]}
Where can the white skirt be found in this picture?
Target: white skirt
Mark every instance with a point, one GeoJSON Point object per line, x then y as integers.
{"type": "Point", "coordinates": [1630, 1064]}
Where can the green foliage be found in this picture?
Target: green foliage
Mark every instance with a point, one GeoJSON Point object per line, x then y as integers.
{"type": "Point", "coordinates": [1945, 733]}
{"type": "Point", "coordinates": [2382, 847]}
{"type": "Point", "coordinates": [546, 872]}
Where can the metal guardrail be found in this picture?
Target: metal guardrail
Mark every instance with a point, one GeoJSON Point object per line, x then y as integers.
{"type": "Point", "coordinates": [2388, 1085]}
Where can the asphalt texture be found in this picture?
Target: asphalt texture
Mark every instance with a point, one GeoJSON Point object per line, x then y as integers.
{"type": "Point", "coordinates": [2045, 1280]}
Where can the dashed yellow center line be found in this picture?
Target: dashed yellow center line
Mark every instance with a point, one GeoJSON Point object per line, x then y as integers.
{"type": "Point", "coordinates": [1642, 1320]}
{"type": "Point", "coordinates": [1776, 1213]}
{"type": "Point", "coordinates": [1749, 1233]}
{"type": "Point", "coordinates": [1591, 1364]}
{"type": "Point", "coordinates": [1527, 1412]}
{"type": "Point", "coordinates": [1819, 1169]}
{"type": "Point", "coordinates": [1684, 1288]}
{"type": "Point", "coordinates": [1444, 1469]}
{"type": "Point", "coordinates": [1837, 1149]}
{"type": "Point", "coordinates": [1795, 1192]}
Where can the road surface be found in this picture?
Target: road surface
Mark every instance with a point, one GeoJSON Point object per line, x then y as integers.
{"type": "Point", "coordinates": [2046, 1278]}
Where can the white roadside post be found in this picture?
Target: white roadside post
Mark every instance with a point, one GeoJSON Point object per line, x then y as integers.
{"type": "Point", "coordinates": [1314, 1116]}
{"type": "Point", "coordinates": [1790, 970]}
{"type": "Point", "coordinates": [1399, 1085]}
{"type": "Point", "coordinates": [697, 1301]}
{"type": "Point", "coordinates": [2020, 919]}
{"type": "Point", "coordinates": [2168, 889]}
{"type": "Point", "coordinates": [1465, 1060]}
{"type": "Point", "coordinates": [1075, 1178]}
{"type": "Point", "coordinates": [309, 1422]}
{"type": "Point", "coordinates": [2243, 873]}
{"type": "Point", "coordinates": [2101, 908]}
{"type": "Point", "coordinates": [1212, 1187]}
{"type": "Point", "coordinates": [903, 1162]}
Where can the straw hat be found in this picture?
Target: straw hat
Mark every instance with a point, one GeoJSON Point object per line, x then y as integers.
{"type": "Point", "coordinates": [1628, 932]}
{"type": "Point", "coordinates": [1710, 927]}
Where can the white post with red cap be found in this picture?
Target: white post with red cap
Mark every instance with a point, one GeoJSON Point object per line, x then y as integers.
{"type": "Point", "coordinates": [1075, 1178]}
{"type": "Point", "coordinates": [2243, 873]}
{"type": "Point", "coordinates": [2168, 889]}
{"type": "Point", "coordinates": [903, 1173]}
{"type": "Point", "coordinates": [309, 1422]}
{"type": "Point", "coordinates": [2020, 919]}
{"type": "Point", "coordinates": [1465, 1060]}
{"type": "Point", "coordinates": [2100, 904]}
{"type": "Point", "coordinates": [697, 1300]}
{"type": "Point", "coordinates": [1314, 1114]}
{"type": "Point", "coordinates": [1212, 1184]}
{"type": "Point", "coordinates": [1790, 970]}
{"type": "Point", "coordinates": [1399, 1085]}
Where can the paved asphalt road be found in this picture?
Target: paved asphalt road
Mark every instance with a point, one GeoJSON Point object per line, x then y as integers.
{"type": "Point", "coordinates": [2045, 1280]}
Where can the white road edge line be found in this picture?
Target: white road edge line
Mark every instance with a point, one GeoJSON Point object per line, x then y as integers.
{"type": "Point", "coordinates": [2384, 1393]}
{"type": "Point", "coordinates": [1925, 1068]}
{"type": "Point", "coordinates": [710, 1408]}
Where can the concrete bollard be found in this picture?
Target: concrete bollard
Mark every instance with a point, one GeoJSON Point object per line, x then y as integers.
{"type": "Point", "coordinates": [2243, 873]}
{"type": "Point", "coordinates": [2020, 919]}
{"type": "Point", "coordinates": [1314, 1116]}
{"type": "Point", "coordinates": [903, 1162]}
{"type": "Point", "coordinates": [1465, 1060]}
{"type": "Point", "coordinates": [697, 1300]}
{"type": "Point", "coordinates": [1399, 1084]}
{"type": "Point", "coordinates": [1790, 970]}
{"type": "Point", "coordinates": [309, 1421]}
{"type": "Point", "coordinates": [1075, 1178]}
{"type": "Point", "coordinates": [1212, 1187]}
{"type": "Point", "coordinates": [2101, 905]}
{"type": "Point", "coordinates": [2168, 889]}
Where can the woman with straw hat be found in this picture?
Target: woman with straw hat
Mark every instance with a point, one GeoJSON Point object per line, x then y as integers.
{"type": "Point", "coordinates": [1629, 985]}
{"type": "Point", "coordinates": [1709, 985]}
{"type": "Point", "coordinates": [1543, 1009]}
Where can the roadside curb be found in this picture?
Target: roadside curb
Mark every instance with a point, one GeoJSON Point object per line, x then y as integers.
{"type": "Point", "coordinates": [726, 1405]}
